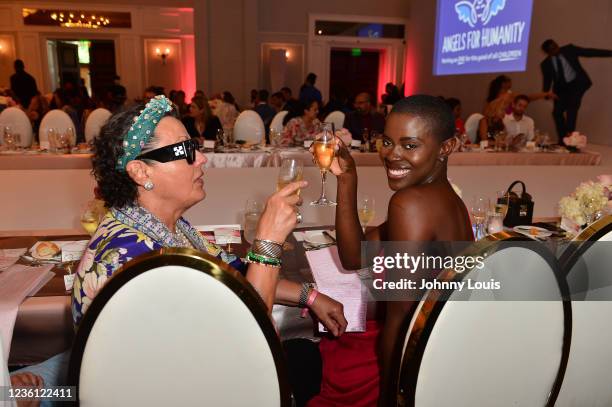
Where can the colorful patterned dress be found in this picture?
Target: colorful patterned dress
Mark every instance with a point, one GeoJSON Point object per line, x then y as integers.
{"type": "Point", "coordinates": [123, 235]}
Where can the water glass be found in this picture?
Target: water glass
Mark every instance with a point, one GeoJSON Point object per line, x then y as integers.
{"type": "Point", "coordinates": [9, 139]}
{"type": "Point", "coordinates": [252, 213]}
{"type": "Point", "coordinates": [495, 223]}
{"type": "Point", "coordinates": [479, 210]}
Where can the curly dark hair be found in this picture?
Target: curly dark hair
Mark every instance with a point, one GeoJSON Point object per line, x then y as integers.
{"type": "Point", "coordinates": [116, 187]}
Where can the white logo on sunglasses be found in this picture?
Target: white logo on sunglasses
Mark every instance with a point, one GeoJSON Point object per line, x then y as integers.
{"type": "Point", "coordinates": [179, 151]}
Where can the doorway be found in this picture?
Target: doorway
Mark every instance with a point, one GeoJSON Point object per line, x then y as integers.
{"type": "Point", "coordinates": [88, 63]}
{"type": "Point", "coordinates": [353, 71]}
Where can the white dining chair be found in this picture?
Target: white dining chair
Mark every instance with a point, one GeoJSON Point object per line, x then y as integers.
{"type": "Point", "coordinates": [20, 124]}
{"type": "Point", "coordinates": [55, 119]}
{"type": "Point", "coordinates": [490, 347]}
{"type": "Point", "coordinates": [249, 127]}
{"type": "Point", "coordinates": [94, 123]}
{"type": "Point", "coordinates": [178, 327]}
{"type": "Point", "coordinates": [277, 121]}
{"type": "Point", "coordinates": [587, 265]}
{"type": "Point", "coordinates": [471, 126]}
{"type": "Point", "coordinates": [337, 118]}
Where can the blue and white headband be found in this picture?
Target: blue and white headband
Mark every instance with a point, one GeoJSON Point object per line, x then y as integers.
{"type": "Point", "coordinates": [142, 129]}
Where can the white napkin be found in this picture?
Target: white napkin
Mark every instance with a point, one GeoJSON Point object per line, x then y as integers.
{"type": "Point", "coordinates": [8, 257]}
{"type": "Point", "coordinates": [16, 283]}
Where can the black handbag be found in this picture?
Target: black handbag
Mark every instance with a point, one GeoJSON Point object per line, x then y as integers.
{"type": "Point", "coordinates": [520, 208]}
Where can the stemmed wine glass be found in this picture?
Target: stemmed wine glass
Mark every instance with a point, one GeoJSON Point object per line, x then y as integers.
{"type": "Point", "coordinates": [252, 213]}
{"type": "Point", "coordinates": [366, 210]}
{"type": "Point", "coordinates": [291, 170]}
{"type": "Point", "coordinates": [323, 151]}
{"type": "Point", "coordinates": [480, 207]}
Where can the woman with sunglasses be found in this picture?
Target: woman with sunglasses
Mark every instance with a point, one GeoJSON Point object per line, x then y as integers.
{"type": "Point", "coordinates": [149, 172]}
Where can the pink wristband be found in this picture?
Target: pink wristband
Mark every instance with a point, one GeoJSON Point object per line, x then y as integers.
{"type": "Point", "coordinates": [311, 298]}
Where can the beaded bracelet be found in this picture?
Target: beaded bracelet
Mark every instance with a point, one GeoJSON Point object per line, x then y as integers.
{"type": "Point", "coordinates": [264, 260]}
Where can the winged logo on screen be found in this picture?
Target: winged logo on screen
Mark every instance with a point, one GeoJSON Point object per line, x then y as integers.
{"type": "Point", "coordinates": [478, 10]}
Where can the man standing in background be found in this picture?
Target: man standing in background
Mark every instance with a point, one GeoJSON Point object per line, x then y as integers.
{"type": "Point", "coordinates": [562, 70]}
{"type": "Point", "coordinates": [23, 85]}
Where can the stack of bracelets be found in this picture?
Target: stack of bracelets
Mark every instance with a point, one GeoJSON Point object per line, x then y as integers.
{"type": "Point", "coordinates": [268, 253]}
{"type": "Point", "coordinates": [265, 252]}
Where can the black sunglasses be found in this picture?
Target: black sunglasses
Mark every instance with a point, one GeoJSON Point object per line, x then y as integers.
{"type": "Point", "coordinates": [178, 151]}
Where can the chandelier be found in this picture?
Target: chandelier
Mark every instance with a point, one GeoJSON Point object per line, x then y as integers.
{"type": "Point", "coordinates": [72, 19]}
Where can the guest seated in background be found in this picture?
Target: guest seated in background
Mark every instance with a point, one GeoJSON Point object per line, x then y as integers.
{"type": "Point", "coordinates": [152, 91]}
{"type": "Point", "coordinates": [37, 110]}
{"type": "Point", "coordinates": [493, 120]}
{"type": "Point", "coordinates": [518, 123]}
{"type": "Point", "coordinates": [263, 109]}
{"type": "Point", "coordinates": [301, 124]}
{"type": "Point", "coordinates": [308, 91]}
{"type": "Point", "coordinates": [201, 123]}
{"type": "Point", "coordinates": [338, 101]}
{"type": "Point", "coordinates": [277, 101]}
{"type": "Point", "coordinates": [391, 95]}
{"type": "Point", "coordinates": [179, 101]}
{"type": "Point", "coordinates": [227, 110]}
{"type": "Point", "coordinates": [290, 103]}
{"type": "Point", "coordinates": [455, 105]}
{"type": "Point", "coordinates": [417, 142]}
{"type": "Point", "coordinates": [364, 117]}
{"type": "Point", "coordinates": [253, 102]}
{"type": "Point", "coordinates": [501, 87]}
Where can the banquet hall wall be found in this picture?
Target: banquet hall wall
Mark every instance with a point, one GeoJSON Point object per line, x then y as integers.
{"type": "Point", "coordinates": [153, 25]}
{"type": "Point", "coordinates": [587, 23]}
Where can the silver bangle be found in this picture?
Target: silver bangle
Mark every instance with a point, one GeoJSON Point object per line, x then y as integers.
{"type": "Point", "coordinates": [267, 248]}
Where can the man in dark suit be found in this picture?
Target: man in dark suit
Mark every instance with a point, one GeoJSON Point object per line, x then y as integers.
{"type": "Point", "coordinates": [562, 70]}
{"type": "Point", "coordinates": [265, 111]}
{"type": "Point", "coordinates": [23, 85]}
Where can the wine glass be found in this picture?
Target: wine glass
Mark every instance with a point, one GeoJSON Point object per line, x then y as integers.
{"type": "Point", "coordinates": [323, 151]}
{"type": "Point", "coordinates": [70, 137]}
{"type": "Point", "coordinates": [479, 209]}
{"type": "Point", "coordinates": [252, 212]}
{"type": "Point", "coordinates": [291, 170]}
{"type": "Point", "coordinates": [91, 215]}
{"type": "Point", "coordinates": [366, 208]}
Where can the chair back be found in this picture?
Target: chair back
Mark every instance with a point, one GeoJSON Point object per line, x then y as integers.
{"type": "Point", "coordinates": [471, 126]}
{"type": "Point", "coordinates": [587, 264]}
{"type": "Point", "coordinates": [94, 123]}
{"type": "Point", "coordinates": [178, 327]}
{"type": "Point", "coordinates": [501, 347]}
{"type": "Point", "coordinates": [55, 119]}
{"type": "Point", "coordinates": [277, 121]}
{"type": "Point", "coordinates": [337, 118]}
{"type": "Point", "coordinates": [19, 123]}
{"type": "Point", "coordinates": [249, 127]}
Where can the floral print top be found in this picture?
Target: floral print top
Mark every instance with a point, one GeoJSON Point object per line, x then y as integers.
{"type": "Point", "coordinates": [296, 132]}
{"type": "Point", "coordinates": [123, 235]}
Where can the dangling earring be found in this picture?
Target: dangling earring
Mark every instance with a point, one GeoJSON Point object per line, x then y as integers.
{"type": "Point", "coordinates": [442, 158]}
{"type": "Point", "coordinates": [148, 185]}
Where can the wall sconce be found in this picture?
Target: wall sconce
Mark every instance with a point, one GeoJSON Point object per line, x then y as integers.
{"type": "Point", "coordinates": [163, 55]}
{"type": "Point", "coordinates": [1, 48]}
{"type": "Point", "coordinates": [287, 54]}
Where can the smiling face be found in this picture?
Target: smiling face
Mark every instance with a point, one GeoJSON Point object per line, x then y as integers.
{"type": "Point", "coordinates": [409, 151]}
{"type": "Point", "coordinates": [177, 183]}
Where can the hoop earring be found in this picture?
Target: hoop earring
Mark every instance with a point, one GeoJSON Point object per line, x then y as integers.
{"type": "Point", "coordinates": [148, 185]}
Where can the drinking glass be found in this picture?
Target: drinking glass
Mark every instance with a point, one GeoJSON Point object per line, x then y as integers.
{"type": "Point", "coordinates": [9, 138]}
{"type": "Point", "coordinates": [291, 170]}
{"type": "Point", "coordinates": [51, 137]}
{"type": "Point", "coordinates": [323, 151]}
{"type": "Point", "coordinates": [252, 213]}
{"type": "Point", "coordinates": [219, 136]}
{"type": "Point", "coordinates": [479, 210]}
{"type": "Point", "coordinates": [70, 137]}
{"type": "Point", "coordinates": [495, 223]}
{"type": "Point", "coordinates": [501, 205]}
{"type": "Point", "coordinates": [91, 215]}
{"type": "Point", "coordinates": [366, 209]}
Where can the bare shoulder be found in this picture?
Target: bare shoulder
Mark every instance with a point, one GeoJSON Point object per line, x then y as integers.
{"type": "Point", "coordinates": [416, 197]}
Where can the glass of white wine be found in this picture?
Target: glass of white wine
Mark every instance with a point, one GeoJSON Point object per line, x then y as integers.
{"type": "Point", "coordinates": [366, 210]}
{"type": "Point", "coordinates": [324, 151]}
{"type": "Point", "coordinates": [91, 216]}
{"type": "Point", "coordinates": [252, 213]}
{"type": "Point", "coordinates": [501, 205]}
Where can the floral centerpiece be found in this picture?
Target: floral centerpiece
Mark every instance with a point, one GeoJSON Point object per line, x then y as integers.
{"type": "Point", "coordinates": [575, 141]}
{"type": "Point", "coordinates": [586, 204]}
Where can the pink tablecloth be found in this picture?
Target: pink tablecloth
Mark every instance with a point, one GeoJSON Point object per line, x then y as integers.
{"type": "Point", "coordinates": [267, 159]}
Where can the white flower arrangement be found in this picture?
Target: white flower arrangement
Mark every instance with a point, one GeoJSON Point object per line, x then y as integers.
{"type": "Point", "coordinates": [583, 205]}
{"type": "Point", "coordinates": [576, 140]}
